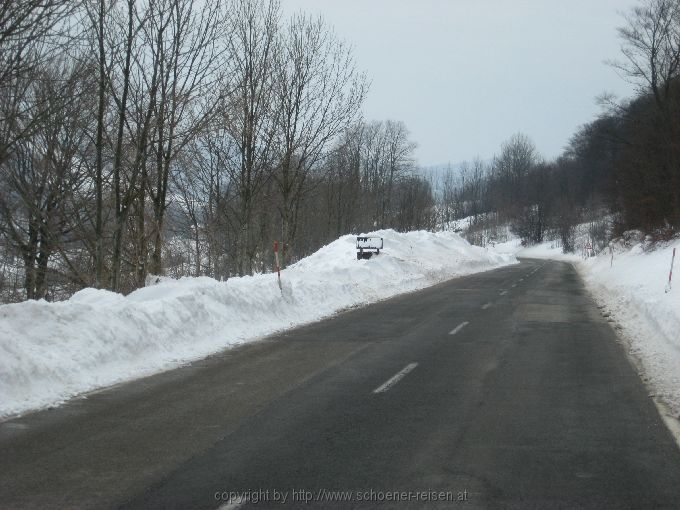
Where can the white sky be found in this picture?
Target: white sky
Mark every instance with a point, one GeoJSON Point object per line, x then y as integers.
{"type": "Point", "coordinates": [464, 75]}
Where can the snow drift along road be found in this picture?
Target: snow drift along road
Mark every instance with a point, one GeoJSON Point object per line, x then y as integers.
{"type": "Point", "coordinates": [631, 288]}
{"type": "Point", "coordinates": [52, 351]}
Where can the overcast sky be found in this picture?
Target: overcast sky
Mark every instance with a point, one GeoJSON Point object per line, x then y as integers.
{"type": "Point", "coordinates": [464, 75]}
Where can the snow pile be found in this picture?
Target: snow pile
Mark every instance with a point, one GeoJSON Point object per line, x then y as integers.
{"type": "Point", "coordinates": [52, 351]}
{"type": "Point", "coordinates": [632, 287]}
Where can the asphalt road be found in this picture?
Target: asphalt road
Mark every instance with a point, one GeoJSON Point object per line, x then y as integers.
{"type": "Point", "coordinates": [505, 389]}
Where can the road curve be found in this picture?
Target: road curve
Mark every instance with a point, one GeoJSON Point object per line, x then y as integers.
{"type": "Point", "coordinates": [501, 389]}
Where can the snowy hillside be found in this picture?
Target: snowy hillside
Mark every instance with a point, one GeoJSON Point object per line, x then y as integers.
{"type": "Point", "coordinates": [632, 288]}
{"type": "Point", "coordinates": [50, 352]}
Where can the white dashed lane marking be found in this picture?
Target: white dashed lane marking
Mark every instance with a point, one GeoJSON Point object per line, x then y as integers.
{"type": "Point", "coordinates": [395, 379]}
{"type": "Point", "coordinates": [458, 328]}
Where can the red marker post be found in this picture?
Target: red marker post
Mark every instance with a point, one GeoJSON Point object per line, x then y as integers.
{"type": "Point", "coordinates": [670, 274]}
{"type": "Point", "coordinates": [278, 268]}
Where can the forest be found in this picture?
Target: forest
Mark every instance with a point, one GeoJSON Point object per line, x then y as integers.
{"type": "Point", "coordinates": [149, 137]}
{"type": "Point", "coordinates": [181, 138]}
{"type": "Point", "coordinates": [619, 172]}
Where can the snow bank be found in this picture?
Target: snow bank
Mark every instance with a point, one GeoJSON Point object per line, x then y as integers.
{"type": "Point", "coordinates": [632, 289]}
{"type": "Point", "coordinates": [50, 352]}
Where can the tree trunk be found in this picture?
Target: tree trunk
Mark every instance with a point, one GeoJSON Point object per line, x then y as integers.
{"type": "Point", "coordinates": [41, 270]}
{"type": "Point", "coordinates": [197, 246]}
{"type": "Point", "coordinates": [120, 209]}
{"type": "Point", "coordinates": [29, 252]}
{"type": "Point", "coordinates": [99, 183]}
{"type": "Point", "coordinates": [141, 269]}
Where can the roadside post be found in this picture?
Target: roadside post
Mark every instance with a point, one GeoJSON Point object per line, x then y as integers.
{"type": "Point", "coordinates": [670, 274]}
{"type": "Point", "coordinates": [278, 267]}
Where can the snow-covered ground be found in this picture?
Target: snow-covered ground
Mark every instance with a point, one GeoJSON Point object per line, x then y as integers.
{"type": "Point", "coordinates": [50, 352]}
{"type": "Point", "coordinates": [632, 288]}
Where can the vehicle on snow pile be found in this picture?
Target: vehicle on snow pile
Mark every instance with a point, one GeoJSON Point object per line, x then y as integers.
{"type": "Point", "coordinates": [367, 246]}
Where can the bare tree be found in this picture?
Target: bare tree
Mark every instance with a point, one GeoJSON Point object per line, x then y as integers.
{"type": "Point", "coordinates": [248, 111]}
{"type": "Point", "coordinates": [399, 159]}
{"type": "Point", "coordinates": [651, 47]}
{"type": "Point", "coordinates": [190, 52]}
{"type": "Point", "coordinates": [26, 28]}
{"type": "Point", "coordinates": [44, 172]}
{"type": "Point", "coordinates": [319, 92]}
{"type": "Point", "coordinates": [203, 189]}
{"type": "Point", "coordinates": [651, 50]}
{"type": "Point", "coordinates": [102, 87]}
